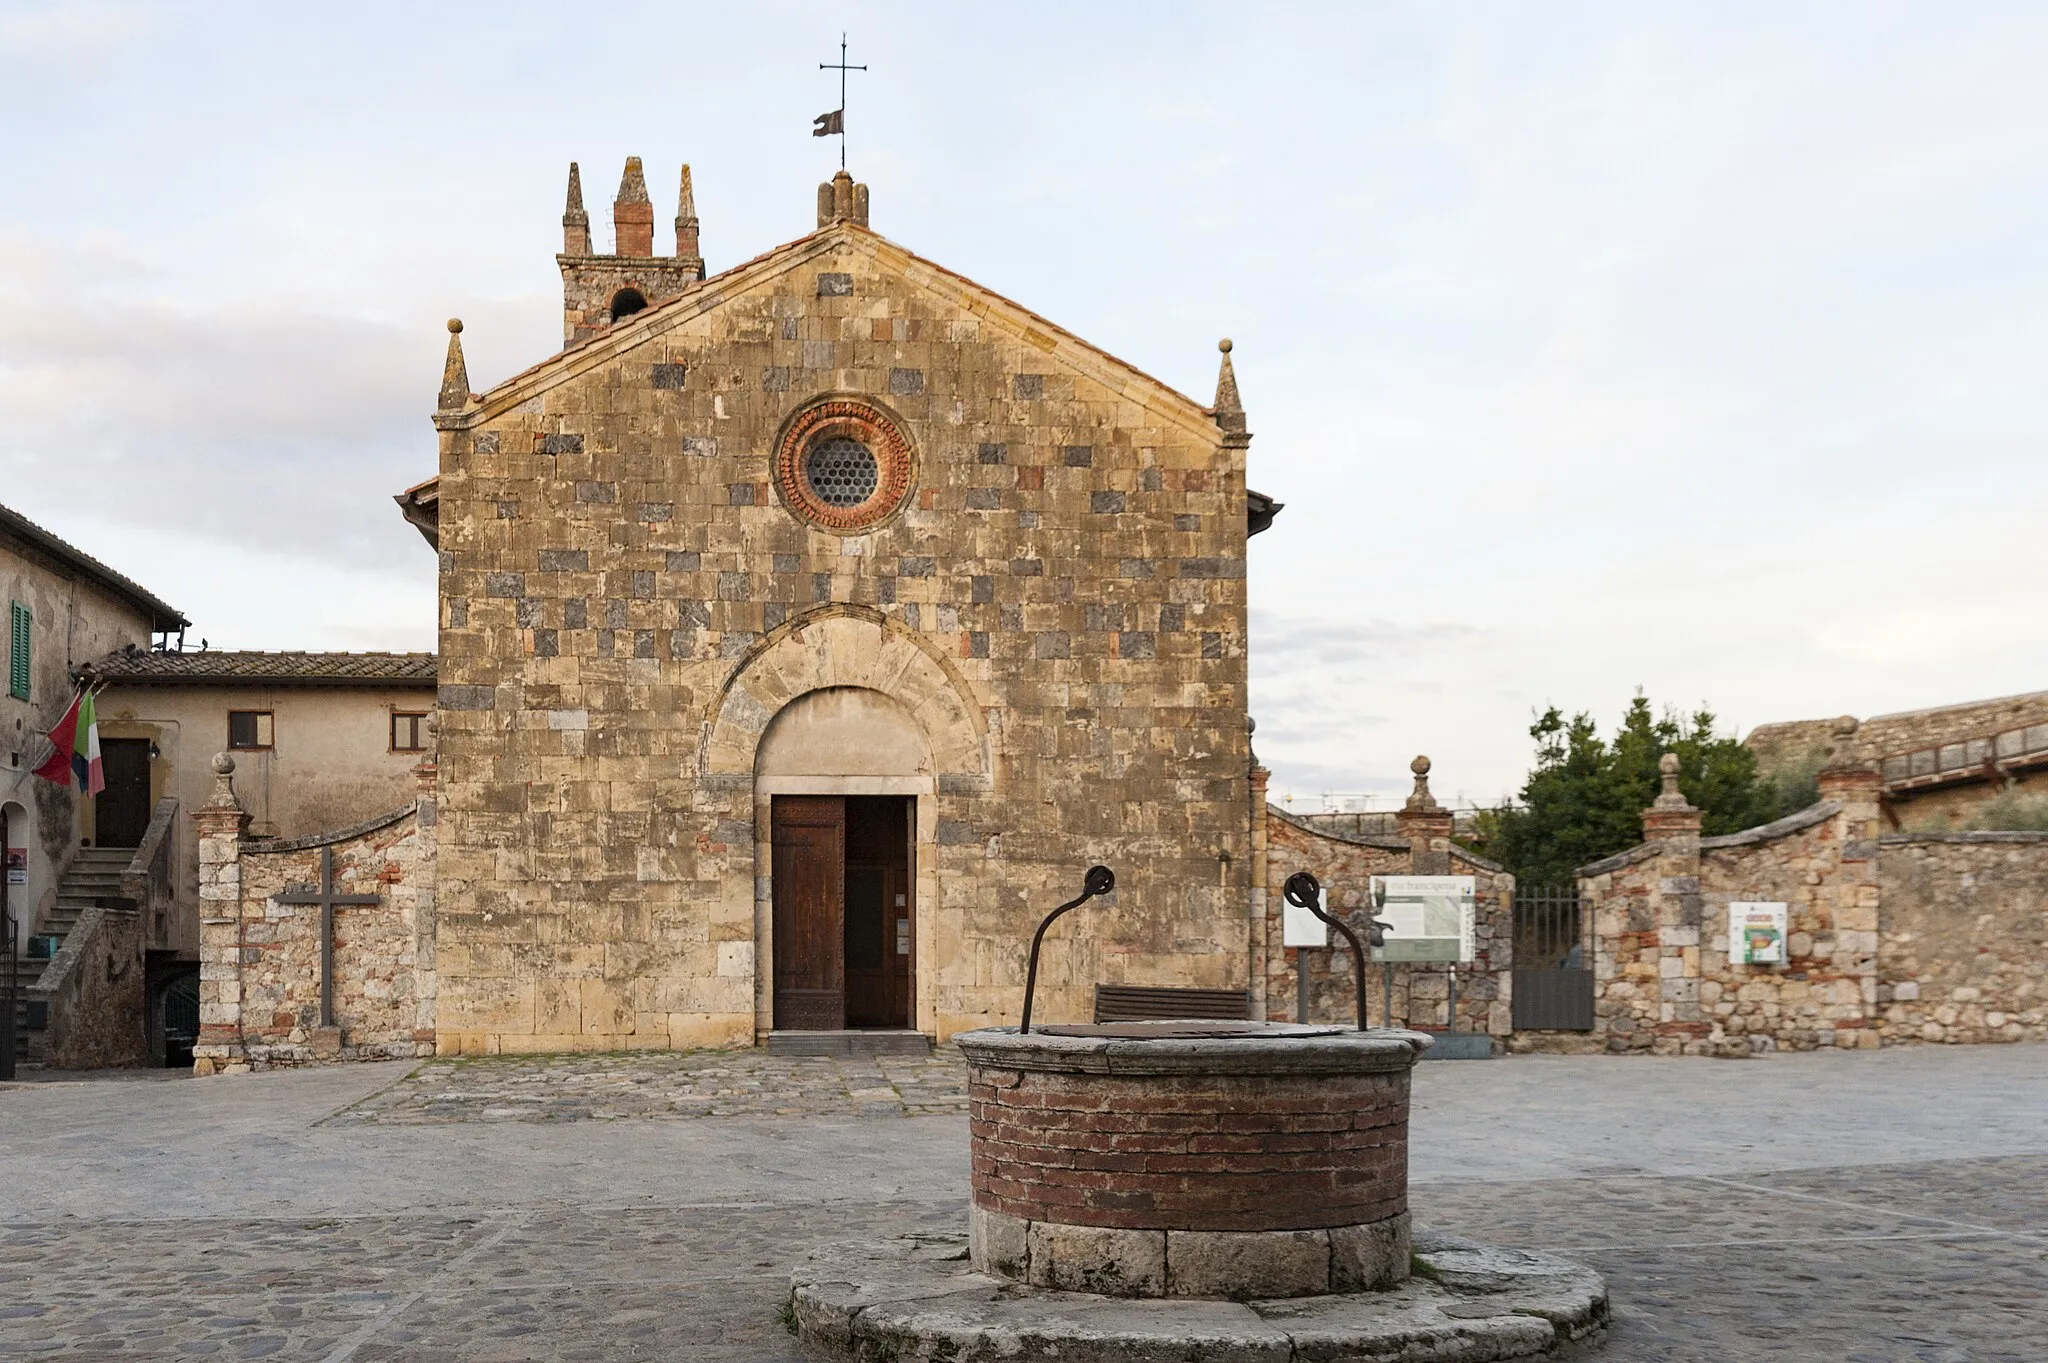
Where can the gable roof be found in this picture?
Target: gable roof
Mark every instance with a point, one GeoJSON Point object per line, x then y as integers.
{"type": "Point", "coordinates": [232, 667]}
{"type": "Point", "coordinates": [708, 294]}
{"type": "Point", "coordinates": [161, 615]}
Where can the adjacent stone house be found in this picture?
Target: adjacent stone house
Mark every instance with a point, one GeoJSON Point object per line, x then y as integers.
{"type": "Point", "coordinates": [64, 608]}
{"type": "Point", "coordinates": [321, 741]}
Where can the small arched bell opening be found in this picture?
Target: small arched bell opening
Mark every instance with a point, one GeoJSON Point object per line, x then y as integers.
{"type": "Point", "coordinates": [626, 302]}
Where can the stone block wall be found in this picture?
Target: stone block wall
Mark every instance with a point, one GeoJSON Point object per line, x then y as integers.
{"type": "Point", "coordinates": [260, 960]}
{"type": "Point", "coordinates": [1890, 938]}
{"type": "Point", "coordinates": [1660, 919]}
{"type": "Point", "coordinates": [627, 602]}
{"type": "Point", "coordinates": [1345, 865]}
{"type": "Point", "coordinates": [1963, 937]}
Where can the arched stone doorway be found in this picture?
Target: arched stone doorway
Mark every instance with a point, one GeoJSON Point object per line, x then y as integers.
{"type": "Point", "coordinates": [855, 648]}
{"type": "Point", "coordinates": [846, 820]}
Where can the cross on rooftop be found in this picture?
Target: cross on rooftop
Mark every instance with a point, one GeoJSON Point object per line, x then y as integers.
{"type": "Point", "coordinates": [838, 124]}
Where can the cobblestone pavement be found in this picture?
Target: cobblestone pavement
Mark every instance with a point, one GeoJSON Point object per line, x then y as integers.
{"type": "Point", "coordinates": [667, 1084]}
{"type": "Point", "coordinates": [362, 1214]}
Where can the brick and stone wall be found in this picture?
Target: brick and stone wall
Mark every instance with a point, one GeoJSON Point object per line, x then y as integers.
{"type": "Point", "coordinates": [260, 960]}
{"type": "Point", "coordinates": [1345, 864]}
{"type": "Point", "coordinates": [1890, 938]}
{"type": "Point", "coordinates": [1273, 1163]}
{"type": "Point", "coordinates": [627, 603]}
{"type": "Point", "coordinates": [1104, 1150]}
{"type": "Point", "coordinates": [1963, 937]}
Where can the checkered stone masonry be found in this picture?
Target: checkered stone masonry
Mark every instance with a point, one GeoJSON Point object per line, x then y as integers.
{"type": "Point", "coordinates": [592, 895]}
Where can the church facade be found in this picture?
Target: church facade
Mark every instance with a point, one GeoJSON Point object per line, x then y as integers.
{"type": "Point", "coordinates": [806, 631]}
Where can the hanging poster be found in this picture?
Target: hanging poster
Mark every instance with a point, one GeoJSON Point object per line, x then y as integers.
{"type": "Point", "coordinates": [1756, 934]}
{"type": "Point", "coordinates": [1428, 918]}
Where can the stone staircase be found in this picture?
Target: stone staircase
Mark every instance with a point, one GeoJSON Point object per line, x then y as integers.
{"type": "Point", "coordinates": [93, 876]}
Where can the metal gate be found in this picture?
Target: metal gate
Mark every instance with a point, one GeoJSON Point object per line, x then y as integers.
{"type": "Point", "coordinates": [181, 1021]}
{"type": "Point", "coordinates": [1553, 982]}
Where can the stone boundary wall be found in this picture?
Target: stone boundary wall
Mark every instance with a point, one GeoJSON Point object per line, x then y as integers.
{"type": "Point", "coordinates": [1889, 938]}
{"type": "Point", "coordinates": [260, 963]}
{"type": "Point", "coordinates": [1345, 864]}
{"type": "Point", "coordinates": [94, 989]}
{"type": "Point", "coordinates": [1963, 937]}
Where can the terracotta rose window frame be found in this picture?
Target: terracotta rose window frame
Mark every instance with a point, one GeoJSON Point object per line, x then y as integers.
{"type": "Point", "coordinates": [816, 470]}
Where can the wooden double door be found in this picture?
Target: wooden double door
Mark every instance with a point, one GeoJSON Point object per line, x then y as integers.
{"type": "Point", "coordinates": [845, 920]}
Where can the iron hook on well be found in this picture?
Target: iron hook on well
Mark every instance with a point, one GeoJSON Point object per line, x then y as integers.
{"type": "Point", "coordinates": [1304, 891]}
{"type": "Point", "coordinates": [1100, 880]}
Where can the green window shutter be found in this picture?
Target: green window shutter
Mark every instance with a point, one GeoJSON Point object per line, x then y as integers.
{"type": "Point", "coordinates": [18, 657]}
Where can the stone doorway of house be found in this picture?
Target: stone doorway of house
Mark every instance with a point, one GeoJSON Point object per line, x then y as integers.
{"type": "Point", "coordinates": [844, 913]}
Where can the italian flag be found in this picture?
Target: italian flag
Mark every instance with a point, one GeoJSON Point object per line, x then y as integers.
{"type": "Point", "coordinates": [76, 740]}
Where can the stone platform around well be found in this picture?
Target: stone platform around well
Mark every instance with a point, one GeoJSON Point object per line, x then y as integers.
{"type": "Point", "coordinates": [917, 1298]}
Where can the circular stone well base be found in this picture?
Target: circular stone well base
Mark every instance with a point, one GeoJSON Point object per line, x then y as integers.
{"type": "Point", "coordinates": [917, 1298]}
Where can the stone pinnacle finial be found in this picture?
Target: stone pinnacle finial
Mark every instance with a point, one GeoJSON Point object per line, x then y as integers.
{"type": "Point", "coordinates": [632, 184]}
{"type": "Point", "coordinates": [454, 374]}
{"type": "Point", "coordinates": [686, 223]}
{"type": "Point", "coordinates": [575, 222]}
{"type": "Point", "coordinates": [1229, 407]}
{"type": "Point", "coordinates": [1670, 797]}
{"type": "Point", "coordinates": [1420, 798]}
{"type": "Point", "coordinates": [223, 783]}
{"type": "Point", "coordinates": [633, 214]}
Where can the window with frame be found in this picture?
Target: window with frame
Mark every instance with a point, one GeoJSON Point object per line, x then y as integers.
{"type": "Point", "coordinates": [408, 732]}
{"type": "Point", "coordinates": [21, 636]}
{"type": "Point", "coordinates": [249, 729]}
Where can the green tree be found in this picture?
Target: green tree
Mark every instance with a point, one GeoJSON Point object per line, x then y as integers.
{"type": "Point", "coordinates": [1585, 796]}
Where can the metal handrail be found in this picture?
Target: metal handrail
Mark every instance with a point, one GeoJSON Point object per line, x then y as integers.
{"type": "Point", "coordinates": [1100, 880]}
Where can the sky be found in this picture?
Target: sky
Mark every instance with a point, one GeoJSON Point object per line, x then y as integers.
{"type": "Point", "coordinates": [1694, 349]}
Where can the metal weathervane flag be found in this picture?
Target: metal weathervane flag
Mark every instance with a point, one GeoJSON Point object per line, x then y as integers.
{"type": "Point", "coordinates": [824, 125]}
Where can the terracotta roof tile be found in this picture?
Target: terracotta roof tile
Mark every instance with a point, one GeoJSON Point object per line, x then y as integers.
{"type": "Point", "coordinates": [226, 667]}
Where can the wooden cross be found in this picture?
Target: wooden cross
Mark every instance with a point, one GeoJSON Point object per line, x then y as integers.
{"type": "Point", "coordinates": [328, 901]}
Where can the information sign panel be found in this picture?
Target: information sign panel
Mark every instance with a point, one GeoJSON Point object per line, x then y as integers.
{"type": "Point", "coordinates": [1756, 934]}
{"type": "Point", "coordinates": [1429, 918]}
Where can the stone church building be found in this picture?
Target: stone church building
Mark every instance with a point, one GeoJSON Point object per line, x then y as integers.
{"type": "Point", "coordinates": [806, 631]}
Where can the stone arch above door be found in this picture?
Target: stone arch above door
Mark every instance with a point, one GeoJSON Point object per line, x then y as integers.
{"type": "Point", "coordinates": [849, 646]}
{"type": "Point", "coordinates": [844, 731]}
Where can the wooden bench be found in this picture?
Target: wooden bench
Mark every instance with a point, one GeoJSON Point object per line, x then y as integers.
{"type": "Point", "coordinates": [1144, 1003]}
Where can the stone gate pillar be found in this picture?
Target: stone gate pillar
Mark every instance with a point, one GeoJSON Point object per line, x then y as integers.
{"type": "Point", "coordinates": [221, 822]}
{"type": "Point", "coordinates": [1426, 825]}
{"type": "Point", "coordinates": [1672, 825]}
{"type": "Point", "coordinates": [1855, 782]}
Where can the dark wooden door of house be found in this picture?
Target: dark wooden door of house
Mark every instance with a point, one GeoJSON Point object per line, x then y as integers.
{"type": "Point", "coordinates": [878, 911]}
{"type": "Point", "coordinates": [121, 811]}
{"type": "Point", "coordinates": [807, 835]}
